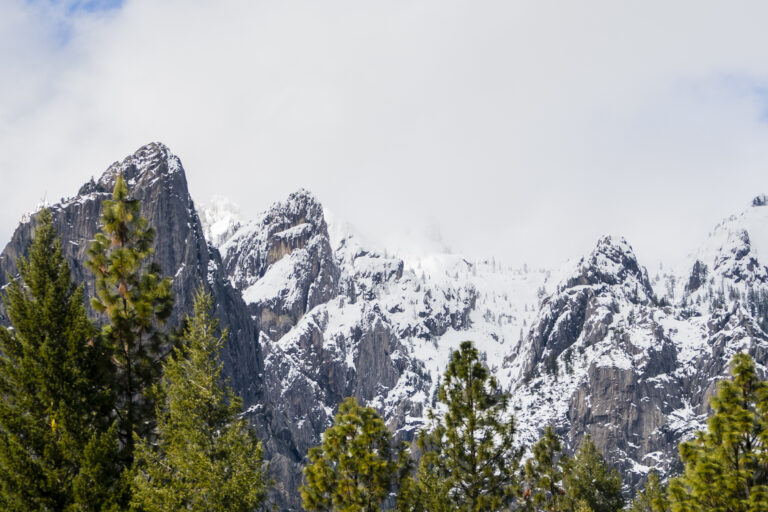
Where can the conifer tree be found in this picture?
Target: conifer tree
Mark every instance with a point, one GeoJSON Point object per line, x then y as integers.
{"type": "Point", "coordinates": [54, 399]}
{"type": "Point", "coordinates": [587, 478]}
{"type": "Point", "coordinates": [726, 466]}
{"type": "Point", "coordinates": [424, 491]}
{"type": "Point", "coordinates": [470, 451]}
{"type": "Point", "coordinates": [544, 476]}
{"type": "Point", "coordinates": [653, 498]}
{"type": "Point", "coordinates": [205, 458]}
{"type": "Point", "coordinates": [354, 468]}
{"type": "Point", "coordinates": [135, 300]}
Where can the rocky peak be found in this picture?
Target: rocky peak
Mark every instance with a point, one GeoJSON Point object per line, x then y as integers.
{"type": "Point", "coordinates": [736, 261]}
{"type": "Point", "coordinates": [734, 254]}
{"type": "Point", "coordinates": [760, 200]}
{"type": "Point", "coordinates": [140, 170]}
{"type": "Point", "coordinates": [285, 227]}
{"type": "Point", "coordinates": [613, 263]}
{"type": "Point", "coordinates": [155, 176]}
{"type": "Point", "coordinates": [282, 262]}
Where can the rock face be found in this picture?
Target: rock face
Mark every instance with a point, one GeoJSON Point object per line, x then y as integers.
{"type": "Point", "coordinates": [155, 177]}
{"type": "Point", "coordinates": [315, 315]}
{"type": "Point", "coordinates": [604, 357]}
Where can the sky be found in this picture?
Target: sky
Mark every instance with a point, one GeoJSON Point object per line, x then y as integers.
{"type": "Point", "coordinates": [519, 130]}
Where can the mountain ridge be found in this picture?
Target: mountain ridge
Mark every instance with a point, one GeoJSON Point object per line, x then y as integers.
{"type": "Point", "coordinates": [597, 346]}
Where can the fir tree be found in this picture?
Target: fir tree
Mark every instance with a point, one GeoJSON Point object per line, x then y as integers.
{"type": "Point", "coordinates": [354, 468]}
{"type": "Point", "coordinates": [544, 476]}
{"type": "Point", "coordinates": [726, 466]}
{"type": "Point", "coordinates": [653, 498]}
{"type": "Point", "coordinates": [206, 458]}
{"type": "Point", "coordinates": [587, 478]}
{"type": "Point", "coordinates": [135, 300]}
{"type": "Point", "coordinates": [54, 400]}
{"type": "Point", "coordinates": [470, 453]}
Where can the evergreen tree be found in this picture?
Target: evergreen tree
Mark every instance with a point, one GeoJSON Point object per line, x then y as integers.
{"type": "Point", "coordinates": [653, 498]}
{"type": "Point", "coordinates": [469, 453]}
{"type": "Point", "coordinates": [726, 466]}
{"type": "Point", "coordinates": [354, 468]}
{"type": "Point", "coordinates": [135, 300]}
{"type": "Point", "coordinates": [206, 458]}
{"type": "Point", "coordinates": [426, 490]}
{"type": "Point", "coordinates": [587, 478]}
{"type": "Point", "coordinates": [543, 474]}
{"type": "Point", "coordinates": [54, 399]}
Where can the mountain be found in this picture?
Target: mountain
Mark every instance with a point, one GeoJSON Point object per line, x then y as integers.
{"type": "Point", "coordinates": [316, 313]}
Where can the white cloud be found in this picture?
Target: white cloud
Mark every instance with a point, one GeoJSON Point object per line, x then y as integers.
{"type": "Point", "coordinates": [520, 129]}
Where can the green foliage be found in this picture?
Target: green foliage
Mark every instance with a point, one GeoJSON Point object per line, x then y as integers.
{"type": "Point", "coordinates": [582, 506]}
{"type": "Point", "coordinates": [653, 498]}
{"type": "Point", "coordinates": [726, 466]}
{"type": "Point", "coordinates": [354, 468]}
{"type": "Point", "coordinates": [206, 458]}
{"type": "Point", "coordinates": [426, 490]}
{"type": "Point", "coordinates": [54, 400]}
{"type": "Point", "coordinates": [544, 476]}
{"type": "Point", "coordinates": [586, 477]}
{"type": "Point", "coordinates": [470, 462]}
{"type": "Point", "coordinates": [130, 293]}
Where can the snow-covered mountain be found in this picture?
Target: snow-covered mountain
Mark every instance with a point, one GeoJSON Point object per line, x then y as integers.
{"type": "Point", "coordinates": [594, 347]}
{"type": "Point", "coordinates": [316, 313]}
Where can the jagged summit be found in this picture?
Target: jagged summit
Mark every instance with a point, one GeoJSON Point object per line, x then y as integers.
{"type": "Point", "coordinates": [148, 163]}
{"type": "Point", "coordinates": [286, 226]}
{"type": "Point", "coordinates": [613, 263]}
{"type": "Point", "coordinates": [734, 254]}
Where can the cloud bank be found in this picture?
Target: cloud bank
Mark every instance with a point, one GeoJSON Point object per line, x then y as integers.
{"type": "Point", "coordinates": [523, 130]}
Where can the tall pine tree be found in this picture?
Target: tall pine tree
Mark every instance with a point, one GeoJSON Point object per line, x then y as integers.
{"type": "Point", "coordinates": [354, 468]}
{"type": "Point", "coordinates": [471, 455]}
{"type": "Point", "coordinates": [135, 300]}
{"type": "Point", "coordinates": [205, 458]}
{"type": "Point", "coordinates": [726, 466]}
{"type": "Point", "coordinates": [54, 399]}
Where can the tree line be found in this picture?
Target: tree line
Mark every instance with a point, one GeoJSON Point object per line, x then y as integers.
{"type": "Point", "coordinates": [126, 413]}
{"type": "Point", "coordinates": [466, 460]}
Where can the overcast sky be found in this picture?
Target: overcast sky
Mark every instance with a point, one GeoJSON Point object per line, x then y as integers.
{"type": "Point", "coordinates": [523, 130]}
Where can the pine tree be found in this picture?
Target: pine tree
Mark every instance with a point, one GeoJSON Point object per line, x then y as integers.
{"type": "Point", "coordinates": [544, 476]}
{"type": "Point", "coordinates": [653, 498]}
{"type": "Point", "coordinates": [726, 466]}
{"type": "Point", "coordinates": [424, 491]}
{"type": "Point", "coordinates": [470, 452]}
{"type": "Point", "coordinates": [587, 478]}
{"type": "Point", "coordinates": [54, 399]}
{"type": "Point", "coordinates": [354, 468]}
{"type": "Point", "coordinates": [135, 300]}
{"type": "Point", "coordinates": [206, 457]}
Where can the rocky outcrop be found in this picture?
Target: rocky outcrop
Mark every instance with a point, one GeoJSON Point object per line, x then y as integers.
{"type": "Point", "coordinates": [156, 178]}
{"type": "Point", "coordinates": [282, 263]}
